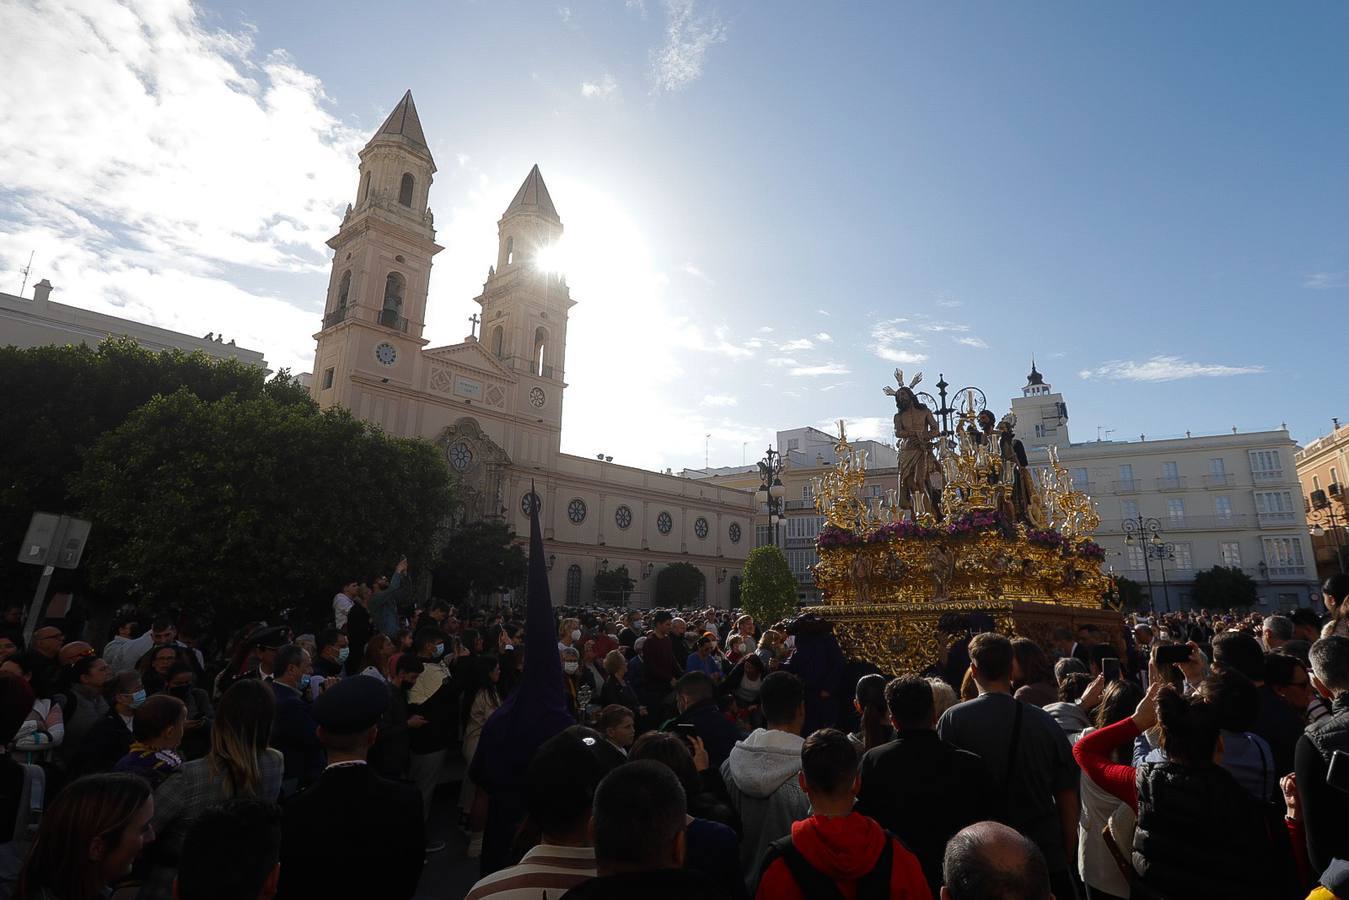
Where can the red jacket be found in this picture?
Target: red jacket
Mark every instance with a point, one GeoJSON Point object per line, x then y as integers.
{"type": "Point", "coordinates": [844, 849]}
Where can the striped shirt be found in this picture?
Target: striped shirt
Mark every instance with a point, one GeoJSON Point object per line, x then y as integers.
{"type": "Point", "coordinates": [546, 873]}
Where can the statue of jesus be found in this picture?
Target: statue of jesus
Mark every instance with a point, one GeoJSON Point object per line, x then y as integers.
{"type": "Point", "coordinates": [916, 429]}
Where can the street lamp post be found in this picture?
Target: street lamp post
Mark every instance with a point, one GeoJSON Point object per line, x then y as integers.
{"type": "Point", "coordinates": [1148, 534]}
{"type": "Point", "coordinates": [771, 491]}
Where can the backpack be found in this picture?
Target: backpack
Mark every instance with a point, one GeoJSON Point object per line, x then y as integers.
{"type": "Point", "coordinates": [874, 885]}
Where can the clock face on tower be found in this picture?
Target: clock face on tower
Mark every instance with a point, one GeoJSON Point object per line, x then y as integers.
{"type": "Point", "coordinates": [386, 354]}
{"type": "Point", "coordinates": [536, 396]}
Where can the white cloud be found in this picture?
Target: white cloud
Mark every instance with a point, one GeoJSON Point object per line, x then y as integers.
{"type": "Point", "coordinates": [939, 327]}
{"type": "Point", "coordinates": [719, 400]}
{"type": "Point", "coordinates": [976, 342]}
{"type": "Point", "coordinates": [765, 329]}
{"type": "Point", "coordinates": [1324, 281]}
{"type": "Point", "coordinates": [564, 13]}
{"type": "Point", "coordinates": [798, 344]}
{"type": "Point", "coordinates": [599, 89]}
{"type": "Point", "coordinates": [826, 369]}
{"type": "Point", "coordinates": [887, 338]}
{"type": "Point", "coordinates": [691, 269]}
{"type": "Point", "coordinates": [824, 313]}
{"type": "Point", "coordinates": [162, 145]}
{"type": "Point", "coordinates": [823, 337]}
{"type": "Point", "coordinates": [950, 303]}
{"type": "Point", "coordinates": [1165, 368]}
{"type": "Point", "coordinates": [781, 361]}
{"type": "Point", "coordinates": [462, 159]}
{"type": "Point", "coordinates": [688, 36]}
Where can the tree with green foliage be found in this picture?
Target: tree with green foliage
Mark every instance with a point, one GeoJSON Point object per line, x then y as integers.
{"type": "Point", "coordinates": [479, 558]}
{"type": "Point", "coordinates": [768, 588]}
{"type": "Point", "coordinates": [613, 586]}
{"type": "Point", "coordinates": [1223, 587]}
{"type": "Point", "coordinates": [243, 507]}
{"type": "Point", "coordinates": [678, 585]}
{"type": "Point", "coordinates": [57, 401]}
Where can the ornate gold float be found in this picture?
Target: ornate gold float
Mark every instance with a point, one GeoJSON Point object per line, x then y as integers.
{"type": "Point", "coordinates": [1013, 546]}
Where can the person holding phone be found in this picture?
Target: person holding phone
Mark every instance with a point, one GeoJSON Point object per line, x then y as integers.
{"type": "Point", "coordinates": [1325, 805]}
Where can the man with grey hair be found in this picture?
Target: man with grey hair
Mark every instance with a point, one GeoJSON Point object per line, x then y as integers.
{"type": "Point", "coordinates": [988, 860]}
{"type": "Point", "coordinates": [1325, 809]}
{"type": "Point", "coordinates": [1276, 631]}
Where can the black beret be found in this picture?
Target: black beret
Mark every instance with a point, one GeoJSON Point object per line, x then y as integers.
{"type": "Point", "coordinates": [352, 705]}
{"type": "Point", "coordinates": [271, 638]}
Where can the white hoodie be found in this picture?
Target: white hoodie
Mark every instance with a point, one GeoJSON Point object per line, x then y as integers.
{"type": "Point", "coordinates": [760, 776]}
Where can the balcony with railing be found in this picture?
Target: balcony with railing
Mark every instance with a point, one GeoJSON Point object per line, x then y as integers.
{"type": "Point", "coordinates": [1266, 476]}
{"type": "Point", "coordinates": [1274, 519]}
{"type": "Point", "coordinates": [389, 318]}
{"type": "Point", "coordinates": [336, 316]}
{"type": "Point", "coordinates": [1131, 486]}
{"type": "Point", "coordinates": [1220, 480]}
{"type": "Point", "coordinates": [1172, 483]}
{"type": "Point", "coordinates": [1191, 523]}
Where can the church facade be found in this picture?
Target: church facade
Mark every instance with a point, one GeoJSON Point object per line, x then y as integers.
{"type": "Point", "coordinates": [493, 405]}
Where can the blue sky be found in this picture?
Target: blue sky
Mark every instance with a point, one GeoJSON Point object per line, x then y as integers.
{"type": "Point", "coordinates": [1150, 197]}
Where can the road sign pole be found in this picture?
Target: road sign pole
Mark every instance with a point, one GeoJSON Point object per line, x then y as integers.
{"type": "Point", "coordinates": [35, 610]}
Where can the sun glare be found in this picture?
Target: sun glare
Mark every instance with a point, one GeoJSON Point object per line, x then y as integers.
{"type": "Point", "coordinates": [552, 258]}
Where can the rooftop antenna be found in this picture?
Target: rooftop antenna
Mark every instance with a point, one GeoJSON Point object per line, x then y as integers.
{"type": "Point", "coordinates": [26, 270]}
{"type": "Point", "coordinates": [707, 449]}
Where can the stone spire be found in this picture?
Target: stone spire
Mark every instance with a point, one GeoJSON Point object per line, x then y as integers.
{"type": "Point", "coordinates": [403, 122]}
{"type": "Point", "coordinates": [533, 198]}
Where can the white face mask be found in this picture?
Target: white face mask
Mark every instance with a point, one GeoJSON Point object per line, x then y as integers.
{"type": "Point", "coordinates": [570, 667]}
{"type": "Point", "coordinates": [576, 634]}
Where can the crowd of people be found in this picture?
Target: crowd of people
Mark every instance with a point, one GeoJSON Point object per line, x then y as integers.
{"type": "Point", "coordinates": [666, 753]}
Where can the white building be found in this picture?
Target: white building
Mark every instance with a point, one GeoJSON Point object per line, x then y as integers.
{"type": "Point", "coordinates": [494, 406]}
{"type": "Point", "coordinates": [41, 322]}
{"type": "Point", "coordinates": [1225, 499]}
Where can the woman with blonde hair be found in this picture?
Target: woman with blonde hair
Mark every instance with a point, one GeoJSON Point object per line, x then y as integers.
{"type": "Point", "coordinates": [239, 764]}
{"type": "Point", "coordinates": [568, 634]}
{"type": "Point", "coordinates": [89, 839]}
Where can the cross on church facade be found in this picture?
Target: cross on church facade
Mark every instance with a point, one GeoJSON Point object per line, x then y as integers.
{"type": "Point", "coordinates": [473, 325]}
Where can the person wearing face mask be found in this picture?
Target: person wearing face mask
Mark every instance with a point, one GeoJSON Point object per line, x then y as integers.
{"type": "Point", "coordinates": [110, 738]}
{"type": "Point", "coordinates": [180, 683]}
{"type": "Point", "coordinates": [333, 650]}
{"type": "Point", "coordinates": [568, 634]}
{"type": "Point", "coordinates": [293, 727]}
{"type": "Point", "coordinates": [571, 678]}
{"type": "Point", "coordinates": [628, 635]}
{"type": "Point", "coordinates": [158, 728]}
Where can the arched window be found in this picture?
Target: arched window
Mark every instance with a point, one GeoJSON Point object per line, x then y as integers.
{"type": "Point", "coordinates": [405, 190]}
{"type": "Point", "coordinates": [573, 585]}
{"type": "Point", "coordinates": [498, 338]}
{"type": "Point", "coordinates": [394, 286]}
{"type": "Point", "coordinates": [344, 289]}
{"type": "Point", "coordinates": [540, 337]}
{"type": "Point", "coordinates": [365, 187]}
{"type": "Point", "coordinates": [510, 250]}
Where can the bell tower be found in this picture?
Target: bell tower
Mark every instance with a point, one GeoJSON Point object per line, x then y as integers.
{"type": "Point", "coordinates": [1042, 415]}
{"type": "Point", "coordinates": [525, 308]}
{"type": "Point", "coordinates": [376, 305]}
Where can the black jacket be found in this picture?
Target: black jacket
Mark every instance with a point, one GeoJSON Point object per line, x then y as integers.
{"type": "Point", "coordinates": [107, 742]}
{"type": "Point", "coordinates": [295, 734]}
{"type": "Point", "coordinates": [923, 790]}
{"type": "Point", "coordinates": [615, 690]}
{"type": "Point", "coordinates": [1201, 834]}
{"type": "Point", "coordinates": [1325, 809]}
{"type": "Point", "coordinates": [383, 860]}
{"type": "Point", "coordinates": [392, 753]}
{"type": "Point", "coordinates": [716, 732]}
{"type": "Point", "coordinates": [359, 632]}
